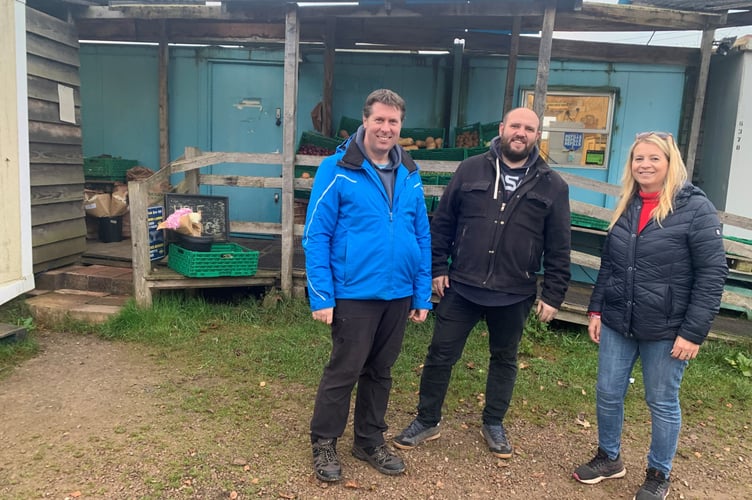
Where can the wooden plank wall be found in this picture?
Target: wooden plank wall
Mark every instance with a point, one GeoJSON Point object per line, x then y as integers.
{"type": "Point", "coordinates": [55, 147]}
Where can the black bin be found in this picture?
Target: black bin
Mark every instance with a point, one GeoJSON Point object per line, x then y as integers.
{"type": "Point", "coordinates": [111, 229]}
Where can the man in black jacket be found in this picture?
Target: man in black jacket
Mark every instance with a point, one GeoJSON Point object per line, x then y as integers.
{"type": "Point", "coordinates": [503, 214]}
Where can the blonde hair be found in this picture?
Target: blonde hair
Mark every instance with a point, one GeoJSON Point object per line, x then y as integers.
{"type": "Point", "coordinates": [676, 176]}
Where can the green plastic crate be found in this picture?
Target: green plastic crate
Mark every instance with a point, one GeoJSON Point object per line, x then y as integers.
{"type": "Point", "coordinates": [438, 154]}
{"type": "Point", "coordinates": [105, 167]}
{"type": "Point", "coordinates": [444, 178]}
{"type": "Point", "coordinates": [323, 142]}
{"type": "Point", "coordinates": [471, 134]}
{"type": "Point", "coordinates": [326, 145]}
{"type": "Point", "coordinates": [488, 131]}
{"type": "Point", "coordinates": [224, 259]}
{"type": "Point", "coordinates": [588, 221]}
{"type": "Point", "coordinates": [431, 203]}
{"type": "Point", "coordinates": [429, 178]}
{"type": "Point", "coordinates": [350, 125]}
{"type": "Point", "coordinates": [476, 151]}
{"type": "Point", "coordinates": [420, 134]}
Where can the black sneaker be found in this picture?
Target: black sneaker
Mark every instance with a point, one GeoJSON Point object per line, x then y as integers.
{"type": "Point", "coordinates": [599, 468]}
{"type": "Point", "coordinates": [381, 458]}
{"type": "Point", "coordinates": [416, 433]}
{"type": "Point", "coordinates": [325, 461]}
{"type": "Point", "coordinates": [655, 487]}
{"type": "Point", "coordinates": [497, 441]}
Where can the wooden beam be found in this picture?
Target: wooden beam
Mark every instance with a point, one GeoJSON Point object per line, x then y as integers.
{"type": "Point", "coordinates": [292, 55]}
{"type": "Point", "coordinates": [212, 158]}
{"type": "Point", "coordinates": [608, 17]}
{"type": "Point", "coordinates": [514, 51]}
{"type": "Point", "coordinates": [164, 101]}
{"type": "Point", "coordinates": [484, 43]}
{"type": "Point", "coordinates": [330, 45]}
{"type": "Point", "coordinates": [544, 60]}
{"type": "Point", "coordinates": [706, 49]}
{"type": "Point", "coordinates": [454, 104]}
{"type": "Point", "coordinates": [437, 27]}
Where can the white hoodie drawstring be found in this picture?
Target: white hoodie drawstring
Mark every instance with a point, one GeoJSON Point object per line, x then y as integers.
{"type": "Point", "coordinates": [498, 176]}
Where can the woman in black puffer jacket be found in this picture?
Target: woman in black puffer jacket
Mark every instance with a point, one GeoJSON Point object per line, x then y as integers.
{"type": "Point", "coordinates": [662, 273]}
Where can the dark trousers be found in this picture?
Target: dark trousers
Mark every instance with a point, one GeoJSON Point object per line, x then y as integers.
{"type": "Point", "coordinates": [455, 318]}
{"type": "Point", "coordinates": [366, 340]}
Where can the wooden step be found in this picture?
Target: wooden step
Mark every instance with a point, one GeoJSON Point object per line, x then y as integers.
{"type": "Point", "coordinates": [59, 305]}
{"type": "Point", "coordinates": [94, 278]}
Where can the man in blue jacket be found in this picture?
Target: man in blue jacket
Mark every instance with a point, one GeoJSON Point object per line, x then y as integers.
{"type": "Point", "coordinates": [368, 263]}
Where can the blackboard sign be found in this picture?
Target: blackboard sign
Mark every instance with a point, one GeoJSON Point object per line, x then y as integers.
{"type": "Point", "coordinates": [155, 215]}
{"type": "Point", "coordinates": [215, 212]}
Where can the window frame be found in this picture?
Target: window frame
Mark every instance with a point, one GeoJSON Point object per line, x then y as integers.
{"type": "Point", "coordinates": [606, 130]}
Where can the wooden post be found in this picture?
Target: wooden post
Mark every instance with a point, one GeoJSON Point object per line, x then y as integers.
{"type": "Point", "coordinates": [292, 52]}
{"type": "Point", "coordinates": [138, 196]}
{"type": "Point", "coordinates": [190, 184]}
{"type": "Point", "coordinates": [706, 49]}
{"type": "Point", "coordinates": [459, 47]}
{"type": "Point", "coordinates": [544, 59]}
{"type": "Point", "coordinates": [514, 50]}
{"type": "Point", "coordinates": [330, 45]}
{"type": "Point", "coordinates": [164, 116]}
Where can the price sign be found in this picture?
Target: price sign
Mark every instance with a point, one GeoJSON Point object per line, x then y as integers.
{"type": "Point", "coordinates": [573, 140]}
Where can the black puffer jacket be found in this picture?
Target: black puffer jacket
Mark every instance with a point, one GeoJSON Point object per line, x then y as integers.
{"type": "Point", "coordinates": [665, 281]}
{"type": "Point", "coordinates": [500, 246]}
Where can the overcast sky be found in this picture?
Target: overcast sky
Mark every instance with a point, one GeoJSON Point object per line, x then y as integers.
{"type": "Point", "coordinates": [669, 38]}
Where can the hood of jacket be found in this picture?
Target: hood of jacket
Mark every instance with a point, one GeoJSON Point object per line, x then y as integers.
{"type": "Point", "coordinates": [354, 156]}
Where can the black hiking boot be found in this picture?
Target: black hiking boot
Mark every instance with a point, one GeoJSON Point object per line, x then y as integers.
{"type": "Point", "coordinates": [325, 461]}
{"type": "Point", "coordinates": [381, 458]}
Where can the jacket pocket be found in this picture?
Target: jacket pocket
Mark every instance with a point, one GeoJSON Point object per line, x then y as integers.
{"type": "Point", "coordinates": [668, 303]}
{"type": "Point", "coordinates": [539, 202]}
{"type": "Point", "coordinates": [475, 199]}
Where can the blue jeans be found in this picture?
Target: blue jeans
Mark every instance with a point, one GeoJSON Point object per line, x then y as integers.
{"type": "Point", "coordinates": [662, 376]}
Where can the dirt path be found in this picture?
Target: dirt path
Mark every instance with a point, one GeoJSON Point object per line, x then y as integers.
{"type": "Point", "coordinates": [94, 419]}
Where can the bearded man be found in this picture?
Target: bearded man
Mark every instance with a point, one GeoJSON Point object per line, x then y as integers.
{"type": "Point", "coordinates": [504, 214]}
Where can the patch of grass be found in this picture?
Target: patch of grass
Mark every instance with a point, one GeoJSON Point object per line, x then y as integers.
{"type": "Point", "coordinates": [256, 349]}
{"type": "Point", "coordinates": [13, 351]}
{"type": "Point", "coordinates": [245, 362]}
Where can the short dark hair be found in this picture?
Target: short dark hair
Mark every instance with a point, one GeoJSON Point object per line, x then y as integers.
{"type": "Point", "coordinates": [387, 97]}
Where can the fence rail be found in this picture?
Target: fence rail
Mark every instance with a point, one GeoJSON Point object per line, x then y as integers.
{"type": "Point", "coordinates": [151, 191]}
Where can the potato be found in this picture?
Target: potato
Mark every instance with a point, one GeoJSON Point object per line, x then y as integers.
{"type": "Point", "coordinates": [344, 134]}
{"type": "Point", "coordinates": [406, 141]}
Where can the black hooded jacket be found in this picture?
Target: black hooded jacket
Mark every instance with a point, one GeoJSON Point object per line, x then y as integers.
{"type": "Point", "coordinates": [666, 280]}
{"type": "Point", "coordinates": [500, 246]}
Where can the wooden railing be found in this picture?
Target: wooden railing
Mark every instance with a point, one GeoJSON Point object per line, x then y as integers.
{"type": "Point", "coordinates": [149, 192]}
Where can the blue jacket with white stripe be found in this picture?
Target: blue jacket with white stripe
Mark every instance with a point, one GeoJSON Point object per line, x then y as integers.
{"type": "Point", "coordinates": [359, 246]}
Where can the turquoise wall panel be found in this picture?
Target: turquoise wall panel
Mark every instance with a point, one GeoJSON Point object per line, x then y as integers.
{"type": "Point", "coordinates": [120, 102]}
{"type": "Point", "coordinates": [421, 80]}
{"type": "Point", "coordinates": [120, 112]}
